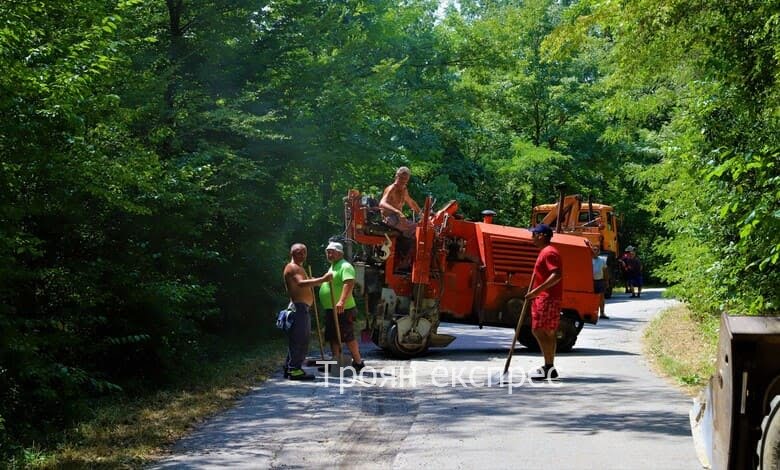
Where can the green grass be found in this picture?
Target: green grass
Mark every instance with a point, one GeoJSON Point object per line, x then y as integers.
{"type": "Point", "coordinates": [683, 347]}
{"type": "Point", "coordinates": [131, 433]}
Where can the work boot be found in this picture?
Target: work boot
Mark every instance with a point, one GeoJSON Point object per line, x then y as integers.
{"type": "Point", "coordinates": [543, 373]}
{"type": "Point", "coordinates": [299, 374]}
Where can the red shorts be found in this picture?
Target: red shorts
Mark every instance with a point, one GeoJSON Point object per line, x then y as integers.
{"type": "Point", "coordinates": [545, 313]}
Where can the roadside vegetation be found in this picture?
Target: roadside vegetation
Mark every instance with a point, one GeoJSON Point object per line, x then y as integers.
{"type": "Point", "coordinates": [683, 346]}
{"type": "Point", "coordinates": [130, 433]}
{"type": "Point", "coordinates": [157, 159]}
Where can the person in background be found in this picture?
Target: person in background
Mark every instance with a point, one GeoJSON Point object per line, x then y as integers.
{"type": "Point", "coordinates": [600, 278]}
{"type": "Point", "coordinates": [342, 283]}
{"type": "Point", "coordinates": [546, 293]}
{"type": "Point", "coordinates": [394, 197]}
{"type": "Point", "coordinates": [623, 268]}
{"type": "Point", "coordinates": [299, 288]}
{"type": "Point", "coordinates": [633, 271]}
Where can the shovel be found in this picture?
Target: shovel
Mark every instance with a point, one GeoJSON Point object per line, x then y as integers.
{"type": "Point", "coordinates": [340, 359]}
{"type": "Point", "coordinates": [317, 319]}
{"type": "Point", "coordinates": [520, 321]}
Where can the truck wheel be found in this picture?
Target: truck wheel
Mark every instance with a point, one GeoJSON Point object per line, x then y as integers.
{"type": "Point", "coordinates": [527, 338]}
{"type": "Point", "coordinates": [400, 351]}
{"type": "Point", "coordinates": [567, 333]}
{"type": "Point", "coordinates": [769, 445]}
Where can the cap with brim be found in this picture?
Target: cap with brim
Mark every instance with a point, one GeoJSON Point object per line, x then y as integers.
{"type": "Point", "coordinates": [335, 246]}
{"type": "Point", "coordinates": [542, 228]}
{"type": "Point", "coordinates": [630, 248]}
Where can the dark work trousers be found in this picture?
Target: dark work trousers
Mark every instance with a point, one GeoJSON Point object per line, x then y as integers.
{"type": "Point", "coordinates": [299, 335]}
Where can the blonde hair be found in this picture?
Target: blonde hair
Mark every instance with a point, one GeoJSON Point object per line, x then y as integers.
{"type": "Point", "coordinates": [403, 171]}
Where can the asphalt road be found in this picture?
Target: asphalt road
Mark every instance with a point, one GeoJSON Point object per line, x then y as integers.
{"type": "Point", "coordinates": [446, 410]}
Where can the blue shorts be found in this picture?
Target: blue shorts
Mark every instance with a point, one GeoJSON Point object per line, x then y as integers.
{"type": "Point", "coordinates": [599, 286]}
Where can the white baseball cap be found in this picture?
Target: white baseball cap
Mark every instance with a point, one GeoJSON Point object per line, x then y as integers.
{"type": "Point", "coordinates": [335, 246]}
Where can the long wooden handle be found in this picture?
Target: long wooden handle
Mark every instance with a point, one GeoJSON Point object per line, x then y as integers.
{"type": "Point", "coordinates": [365, 301]}
{"type": "Point", "coordinates": [317, 320]}
{"type": "Point", "coordinates": [520, 321]}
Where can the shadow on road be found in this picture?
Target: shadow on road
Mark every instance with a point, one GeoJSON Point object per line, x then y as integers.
{"type": "Point", "coordinates": [380, 411]}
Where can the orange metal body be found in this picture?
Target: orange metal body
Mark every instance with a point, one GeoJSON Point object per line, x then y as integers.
{"type": "Point", "coordinates": [596, 222]}
{"type": "Point", "coordinates": [473, 269]}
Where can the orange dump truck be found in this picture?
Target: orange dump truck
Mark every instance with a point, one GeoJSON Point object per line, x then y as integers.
{"type": "Point", "coordinates": [457, 271]}
{"type": "Point", "coordinates": [594, 221]}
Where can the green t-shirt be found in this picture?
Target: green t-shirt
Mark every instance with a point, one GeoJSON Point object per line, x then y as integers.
{"type": "Point", "coordinates": [342, 271]}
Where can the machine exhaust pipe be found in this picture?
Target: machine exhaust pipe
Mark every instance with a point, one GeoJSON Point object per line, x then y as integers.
{"type": "Point", "coordinates": [561, 187]}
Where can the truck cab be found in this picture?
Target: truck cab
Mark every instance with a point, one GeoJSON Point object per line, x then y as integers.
{"type": "Point", "coordinates": [593, 221]}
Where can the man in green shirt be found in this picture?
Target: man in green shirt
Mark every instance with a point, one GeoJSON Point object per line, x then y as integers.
{"type": "Point", "coordinates": [342, 284]}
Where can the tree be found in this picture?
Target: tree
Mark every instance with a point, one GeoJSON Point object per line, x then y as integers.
{"type": "Point", "coordinates": [700, 80]}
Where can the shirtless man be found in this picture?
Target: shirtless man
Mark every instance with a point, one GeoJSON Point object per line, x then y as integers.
{"type": "Point", "coordinates": [299, 287]}
{"type": "Point", "coordinates": [392, 203]}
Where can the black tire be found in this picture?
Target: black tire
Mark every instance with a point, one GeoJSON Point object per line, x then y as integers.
{"type": "Point", "coordinates": [768, 448]}
{"type": "Point", "coordinates": [527, 338]}
{"type": "Point", "coordinates": [400, 351]}
{"type": "Point", "coordinates": [567, 333]}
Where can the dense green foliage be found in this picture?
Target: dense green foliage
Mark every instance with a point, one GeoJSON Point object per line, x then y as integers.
{"type": "Point", "coordinates": [698, 83]}
{"type": "Point", "coordinates": [158, 158]}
